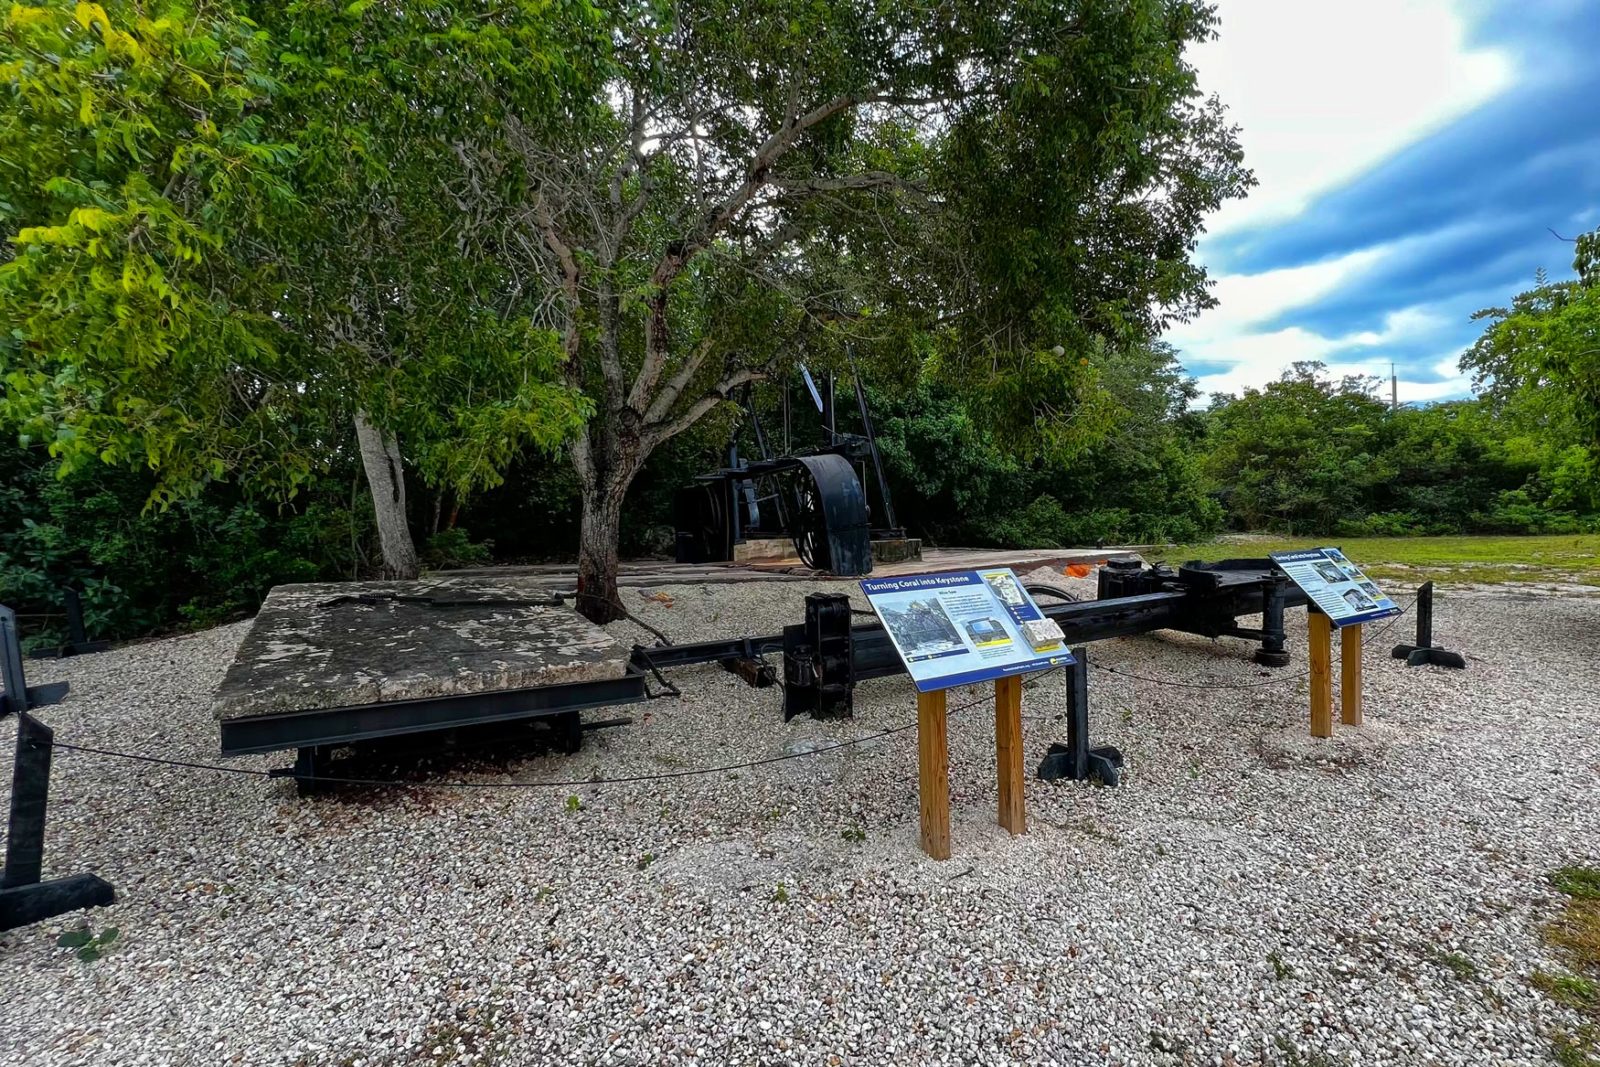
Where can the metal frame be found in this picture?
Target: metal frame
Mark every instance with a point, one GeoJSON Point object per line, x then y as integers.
{"type": "Point", "coordinates": [1425, 653]}
{"type": "Point", "coordinates": [78, 643]}
{"type": "Point", "coordinates": [323, 727]}
{"type": "Point", "coordinates": [24, 898]}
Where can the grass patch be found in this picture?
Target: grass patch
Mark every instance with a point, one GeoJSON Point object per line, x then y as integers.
{"type": "Point", "coordinates": [1483, 560]}
{"type": "Point", "coordinates": [1579, 883]}
{"type": "Point", "coordinates": [1577, 935]}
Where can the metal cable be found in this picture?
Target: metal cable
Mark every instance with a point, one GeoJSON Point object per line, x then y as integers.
{"type": "Point", "coordinates": [546, 784]}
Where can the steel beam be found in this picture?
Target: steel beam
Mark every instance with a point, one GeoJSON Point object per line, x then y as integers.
{"type": "Point", "coordinates": [364, 722]}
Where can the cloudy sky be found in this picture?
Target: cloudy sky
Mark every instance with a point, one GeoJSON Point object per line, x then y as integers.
{"type": "Point", "coordinates": [1413, 158]}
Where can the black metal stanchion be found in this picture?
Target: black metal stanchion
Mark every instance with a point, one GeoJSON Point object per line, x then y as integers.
{"type": "Point", "coordinates": [78, 643]}
{"type": "Point", "coordinates": [24, 898]}
{"type": "Point", "coordinates": [1424, 653]}
{"type": "Point", "coordinates": [1075, 760]}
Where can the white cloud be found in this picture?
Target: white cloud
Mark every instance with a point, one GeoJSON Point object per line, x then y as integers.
{"type": "Point", "coordinates": [1255, 358]}
{"type": "Point", "coordinates": [1324, 91]}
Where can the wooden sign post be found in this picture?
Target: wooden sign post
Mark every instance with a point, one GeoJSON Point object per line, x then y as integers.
{"type": "Point", "coordinates": [1008, 751]}
{"type": "Point", "coordinates": [1350, 675]}
{"type": "Point", "coordinates": [933, 773]}
{"type": "Point", "coordinates": [1321, 674]}
{"type": "Point", "coordinates": [933, 763]}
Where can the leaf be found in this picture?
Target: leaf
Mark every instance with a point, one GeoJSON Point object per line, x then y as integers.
{"type": "Point", "coordinates": [74, 938]}
{"type": "Point", "coordinates": [88, 954]}
{"type": "Point", "coordinates": [108, 935]}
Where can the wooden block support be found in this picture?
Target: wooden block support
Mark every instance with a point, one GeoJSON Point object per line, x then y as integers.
{"type": "Point", "coordinates": [1008, 751]}
{"type": "Point", "coordinates": [1321, 675]}
{"type": "Point", "coordinates": [1350, 675]}
{"type": "Point", "coordinates": [933, 774]}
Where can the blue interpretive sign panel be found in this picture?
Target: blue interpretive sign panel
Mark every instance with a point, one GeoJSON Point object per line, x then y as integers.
{"type": "Point", "coordinates": [960, 627]}
{"type": "Point", "coordinates": [1336, 586]}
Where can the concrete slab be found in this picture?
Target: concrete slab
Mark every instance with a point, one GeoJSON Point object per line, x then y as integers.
{"type": "Point", "coordinates": [339, 644]}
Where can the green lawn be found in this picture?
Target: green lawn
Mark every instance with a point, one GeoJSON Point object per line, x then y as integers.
{"type": "Point", "coordinates": [1562, 558]}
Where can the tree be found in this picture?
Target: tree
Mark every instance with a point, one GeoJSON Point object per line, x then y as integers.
{"type": "Point", "coordinates": [136, 161]}
{"type": "Point", "coordinates": [981, 190]}
{"type": "Point", "coordinates": [392, 280]}
{"type": "Point", "coordinates": [1543, 351]}
{"type": "Point", "coordinates": [1299, 454]}
{"type": "Point", "coordinates": [237, 241]}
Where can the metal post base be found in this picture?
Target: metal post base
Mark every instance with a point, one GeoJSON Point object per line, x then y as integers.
{"type": "Point", "coordinates": [24, 904]}
{"type": "Point", "coordinates": [1429, 657]}
{"type": "Point", "coordinates": [1075, 760]}
{"type": "Point", "coordinates": [1099, 764]}
{"type": "Point", "coordinates": [1423, 653]}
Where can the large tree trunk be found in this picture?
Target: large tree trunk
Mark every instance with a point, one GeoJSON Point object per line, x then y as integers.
{"type": "Point", "coordinates": [380, 456]}
{"type": "Point", "coordinates": [598, 598]}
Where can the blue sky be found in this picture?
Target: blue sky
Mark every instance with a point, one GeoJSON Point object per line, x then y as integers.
{"type": "Point", "coordinates": [1413, 157]}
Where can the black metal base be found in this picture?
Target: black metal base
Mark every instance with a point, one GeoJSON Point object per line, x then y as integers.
{"type": "Point", "coordinates": [63, 651]}
{"type": "Point", "coordinates": [1429, 657]}
{"type": "Point", "coordinates": [38, 901]}
{"type": "Point", "coordinates": [1098, 764]}
{"type": "Point", "coordinates": [1271, 659]}
{"type": "Point", "coordinates": [316, 768]}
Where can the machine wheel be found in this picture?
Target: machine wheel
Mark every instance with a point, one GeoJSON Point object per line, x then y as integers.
{"type": "Point", "coordinates": [809, 528]}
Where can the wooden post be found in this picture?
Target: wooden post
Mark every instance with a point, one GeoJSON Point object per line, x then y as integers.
{"type": "Point", "coordinates": [1321, 675]}
{"type": "Point", "coordinates": [1008, 751]}
{"type": "Point", "coordinates": [933, 774]}
{"type": "Point", "coordinates": [1350, 675]}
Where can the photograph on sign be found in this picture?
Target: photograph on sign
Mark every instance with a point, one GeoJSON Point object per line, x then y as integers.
{"type": "Point", "coordinates": [959, 627]}
{"type": "Point", "coordinates": [1336, 586]}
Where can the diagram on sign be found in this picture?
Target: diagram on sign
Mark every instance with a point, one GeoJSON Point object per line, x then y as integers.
{"type": "Point", "coordinates": [1336, 586]}
{"type": "Point", "coordinates": [960, 627]}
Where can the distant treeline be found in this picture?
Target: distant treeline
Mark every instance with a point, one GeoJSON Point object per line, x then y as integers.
{"type": "Point", "coordinates": [1305, 455]}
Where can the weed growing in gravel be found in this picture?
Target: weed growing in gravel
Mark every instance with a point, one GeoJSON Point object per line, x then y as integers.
{"type": "Point", "coordinates": [646, 860]}
{"type": "Point", "coordinates": [574, 804]}
{"type": "Point", "coordinates": [781, 894]}
{"type": "Point", "coordinates": [1580, 883]}
{"type": "Point", "coordinates": [1459, 965]}
{"type": "Point", "coordinates": [854, 834]}
{"type": "Point", "coordinates": [1577, 934]}
{"type": "Point", "coordinates": [89, 944]}
{"type": "Point", "coordinates": [1279, 968]}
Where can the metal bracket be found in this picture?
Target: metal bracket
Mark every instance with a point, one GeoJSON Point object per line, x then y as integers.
{"type": "Point", "coordinates": [1075, 760]}
{"type": "Point", "coordinates": [1423, 653]}
{"type": "Point", "coordinates": [24, 898]}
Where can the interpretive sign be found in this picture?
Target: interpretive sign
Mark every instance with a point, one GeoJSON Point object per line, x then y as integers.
{"type": "Point", "coordinates": [960, 627]}
{"type": "Point", "coordinates": [1336, 586]}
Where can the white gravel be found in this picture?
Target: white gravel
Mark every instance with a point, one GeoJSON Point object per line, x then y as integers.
{"type": "Point", "coordinates": [1244, 897]}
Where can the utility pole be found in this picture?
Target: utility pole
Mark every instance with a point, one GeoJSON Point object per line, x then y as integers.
{"type": "Point", "coordinates": [1394, 388]}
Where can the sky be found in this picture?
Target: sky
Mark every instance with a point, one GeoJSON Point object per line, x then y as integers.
{"type": "Point", "coordinates": [1413, 159]}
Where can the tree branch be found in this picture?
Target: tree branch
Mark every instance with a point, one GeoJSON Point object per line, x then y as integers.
{"type": "Point", "coordinates": [702, 407]}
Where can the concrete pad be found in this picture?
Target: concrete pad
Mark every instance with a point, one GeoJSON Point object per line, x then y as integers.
{"type": "Point", "coordinates": [339, 644]}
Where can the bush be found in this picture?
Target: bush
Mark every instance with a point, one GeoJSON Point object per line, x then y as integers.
{"type": "Point", "coordinates": [197, 562]}
{"type": "Point", "coordinates": [455, 548]}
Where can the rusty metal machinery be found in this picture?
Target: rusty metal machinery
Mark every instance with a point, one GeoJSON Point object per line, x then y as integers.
{"type": "Point", "coordinates": [816, 498]}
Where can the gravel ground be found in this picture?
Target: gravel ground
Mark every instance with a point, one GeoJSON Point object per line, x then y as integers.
{"type": "Point", "coordinates": [1244, 897]}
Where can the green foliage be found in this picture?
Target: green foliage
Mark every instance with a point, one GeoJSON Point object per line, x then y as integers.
{"type": "Point", "coordinates": [1542, 353]}
{"type": "Point", "coordinates": [89, 945]}
{"type": "Point", "coordinates": [138, 163]}
{"type": "Point", "coordinates": [1309, 455]}
{"type": "Point", "coordinates": [200, 561]}
{"type": "Point", "coordinates": [456, 548]}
